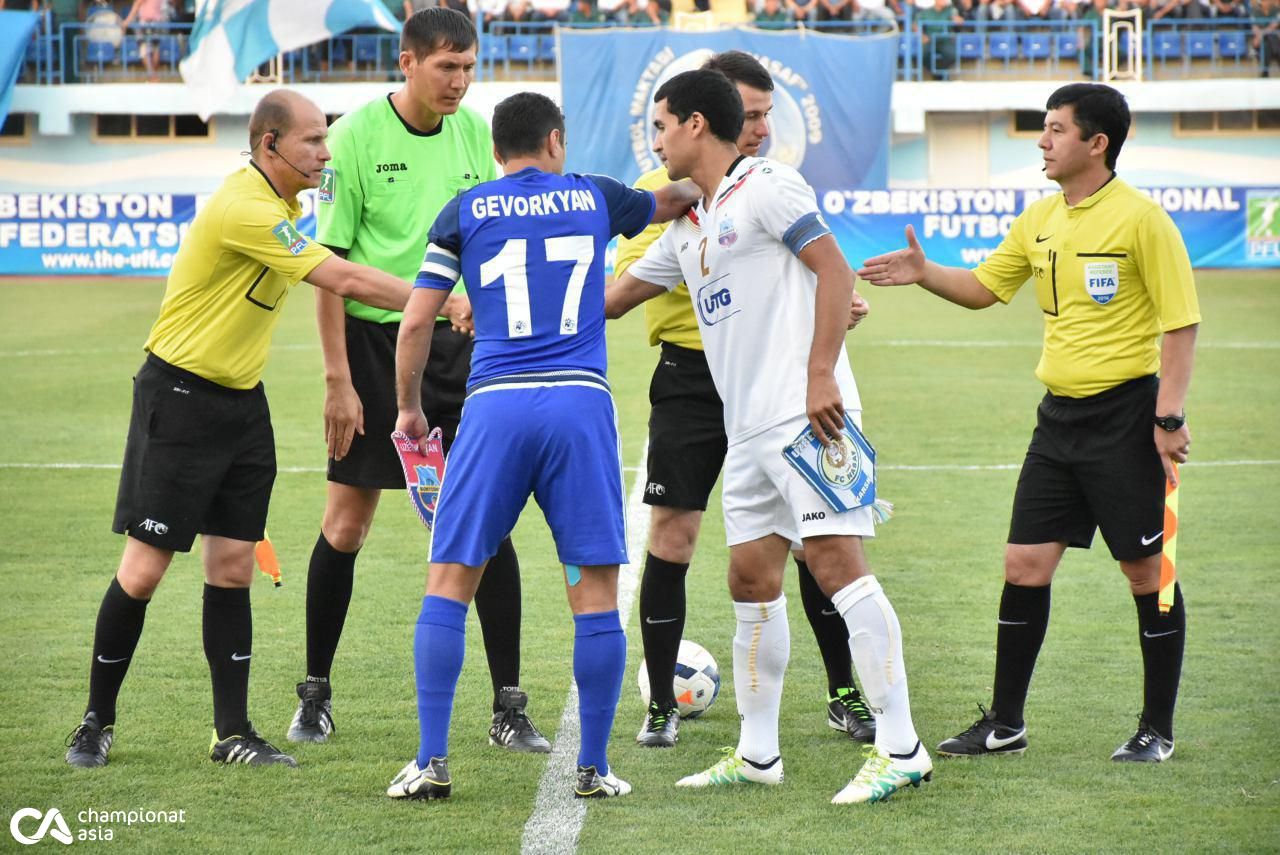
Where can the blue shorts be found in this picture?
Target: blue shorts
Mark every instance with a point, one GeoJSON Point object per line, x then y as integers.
{"type": "Point", "coordinates": [553, 436]}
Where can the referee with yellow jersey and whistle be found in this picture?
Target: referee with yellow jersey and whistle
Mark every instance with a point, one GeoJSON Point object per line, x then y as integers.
{"type": "Point", "coordinates": [1114, 281]}
{"type": "Point", "coordinates": [200, 456]}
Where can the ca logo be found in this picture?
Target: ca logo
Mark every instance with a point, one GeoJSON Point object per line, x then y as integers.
{"type": "Point", "coordinates": [53, 824]}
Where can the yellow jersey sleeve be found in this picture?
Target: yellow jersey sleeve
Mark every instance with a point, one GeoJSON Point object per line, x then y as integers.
{"type": "Point", "coordinates": [630, 249]}
{"type": "Point", "coordinates": [256, 230]}
{"type": "Point", "coordinates": [669, 317]}
{"type": "Point", "coordinates": [1008, 267]}
{"type": "Point", "coordinates": [1162, 257]}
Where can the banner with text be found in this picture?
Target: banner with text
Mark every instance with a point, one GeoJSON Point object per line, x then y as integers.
{"type": "Point", "coordinates": [137, 234]}
{"type": "Point", "coordinates": [1222, 226]}
{"type": "Point", "coordinates": [831, 98]}
{"type": "Point", "coordinates": [112, 234]}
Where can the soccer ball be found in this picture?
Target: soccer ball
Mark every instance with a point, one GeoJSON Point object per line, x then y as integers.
{"type": "Point", "coordinates": [697, 680]}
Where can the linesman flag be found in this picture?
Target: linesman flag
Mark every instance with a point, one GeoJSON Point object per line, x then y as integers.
{"type": "Point", "coordinates": [1169, 556]}
{"type": "Point", "coordinates": [233, 37]}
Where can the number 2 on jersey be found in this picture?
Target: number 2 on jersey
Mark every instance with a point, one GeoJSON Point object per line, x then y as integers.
{"type": "Point", "coordinates": [510, 266]}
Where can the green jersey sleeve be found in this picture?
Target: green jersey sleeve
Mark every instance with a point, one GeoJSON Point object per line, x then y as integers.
{"type": "Point", "coordinates": [338, 210]}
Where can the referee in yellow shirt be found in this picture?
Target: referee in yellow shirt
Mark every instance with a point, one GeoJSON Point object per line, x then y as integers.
{"type": "Point", "coordinates": [200, 456]}
{"type": "Point", "coordinates": [1114, 282]}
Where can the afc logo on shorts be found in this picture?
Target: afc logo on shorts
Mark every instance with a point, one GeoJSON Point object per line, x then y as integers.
{"type": "Point", "coordinates": [1102, 280]}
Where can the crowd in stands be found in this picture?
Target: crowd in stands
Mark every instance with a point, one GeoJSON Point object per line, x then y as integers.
{"type": "Point", "coordinates": [154, 31]}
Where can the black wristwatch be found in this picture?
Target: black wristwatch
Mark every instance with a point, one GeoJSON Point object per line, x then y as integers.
{"type": "Point", "coordinates": [1171, 423]}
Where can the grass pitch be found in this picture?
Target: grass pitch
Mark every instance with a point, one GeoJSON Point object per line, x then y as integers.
{"type": "Point", "coordinates": [943, 389]}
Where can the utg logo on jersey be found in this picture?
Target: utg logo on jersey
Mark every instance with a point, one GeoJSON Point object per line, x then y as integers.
{"type": "Point", "coordinates": [715, 303]}
{"type": "Point", "coordinates": [50, 823]}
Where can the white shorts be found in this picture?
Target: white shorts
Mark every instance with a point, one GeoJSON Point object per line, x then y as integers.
{"type": "Point", "coordinates": [764, 495]}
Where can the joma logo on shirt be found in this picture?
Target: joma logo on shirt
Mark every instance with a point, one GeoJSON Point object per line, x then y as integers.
{"type": "Point", "coordinates": [392, 167]}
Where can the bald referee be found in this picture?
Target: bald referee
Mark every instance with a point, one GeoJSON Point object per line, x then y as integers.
{"type": "Point", "coordinates": [1114, 282]}
{"type": "Point", "coordinates": [200, 457]}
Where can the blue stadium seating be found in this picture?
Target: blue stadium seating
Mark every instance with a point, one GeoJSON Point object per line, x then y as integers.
{"type": "Point", "coordinates": [1165, 44]}
{"type": "Point", "coordinates": [493, 48]}
{"type": "Point", "coordinates": [523, 48]}
{"type": "Point", "coordinates": [366, 49]}
{"type": "Point", "coordinates": [339, 51]}
{"type": "Point", "coordinates": [547, 49]}
{"type": "Point", "coordinates": [169, 50]}
{"type": "Point", "coordinates": [968, 46]}
{"type": "Point", "coordinates": [1002, 46]}
{"type": "Point", "coordinates": [1200, 44]}
{"type": "Point", "coordinates": [1066, 45]}
{"type": "Point", "coordinates": [99, 53]}
{"type": "Point", "coordinates": [1233, 44]}
{"type": "Point", "coordinates": [130, 51]}
{"type": "Point", "coordinates": [1036, 45]}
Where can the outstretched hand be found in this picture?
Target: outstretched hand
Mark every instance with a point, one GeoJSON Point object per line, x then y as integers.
{"type": "Point", "coordinates": [900, 267]}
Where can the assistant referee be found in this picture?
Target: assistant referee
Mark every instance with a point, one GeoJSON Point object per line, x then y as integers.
{"type": "Point", "coordinates": [200, 456]}
{"type": "Point", "coordinates": [1114, 282]}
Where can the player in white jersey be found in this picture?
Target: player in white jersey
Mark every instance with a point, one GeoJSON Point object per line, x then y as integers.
{"type": "Point", "coordinates": [772, 293]}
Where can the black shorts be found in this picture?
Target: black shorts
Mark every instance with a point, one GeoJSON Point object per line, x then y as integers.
{"type": "Point", "coordinates": [686, 431]}
{"type": "Point", "coordinates": [371, 462]}
{"type": "Point", "coordinates": [1092, 464]}
{"type": "Point", "coordinates": [200, 459]}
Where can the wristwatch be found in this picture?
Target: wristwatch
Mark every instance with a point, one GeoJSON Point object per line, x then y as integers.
{"type": "Point", "coordinates": [1171, 423]}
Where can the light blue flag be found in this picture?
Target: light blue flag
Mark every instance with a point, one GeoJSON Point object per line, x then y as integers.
{"type": "Point", "coordinates": [16, 29]}
{"type": "Point", "coordinates": [231, 38]}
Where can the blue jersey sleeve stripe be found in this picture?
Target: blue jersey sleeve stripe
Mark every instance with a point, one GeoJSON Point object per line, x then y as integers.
{"type": "Point", "coordinates": [805, 231]}
{"type": "Point", "coordinates": [428, 279]}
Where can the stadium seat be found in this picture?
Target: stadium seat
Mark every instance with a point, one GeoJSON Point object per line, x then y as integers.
{"type": "Point", "coordinates": [339, 51]}
{"type": "Point", "coordinates": [1165, 44]}
{"type": "Point", "coordinates": [1200, 44]}
{"type": "Point", "coordinates": [910, 46]}
{"type": "Point", "coordinates": [523, 48]}
{"type": "Point", "coordinates": [1067, 45]}
{"type": "Point", "coordinates": [130, 51]}
{"type": "Point", "coordinates": [168, 50]}
{"type": "Point", "coordinates": [99, 53]}
{"type": "Point", "coordinates": [968, 46]}
{"type": "Point", "coordinates": [547, 49]}
{"type": "Point", "coordinates": [1233, 44]}
{"type": "Point", "coordinates": [1035, 45]}
{"type": "Point", "coordinates": [1002, 46]}
{"type": "Point", "coordinates": [366, 49]}
{"type": "Point", "coordinates": [493, 48]}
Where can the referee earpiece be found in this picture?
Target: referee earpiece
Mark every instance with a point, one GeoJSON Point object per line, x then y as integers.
{"type": "Point", "coordinates": [275, 135]}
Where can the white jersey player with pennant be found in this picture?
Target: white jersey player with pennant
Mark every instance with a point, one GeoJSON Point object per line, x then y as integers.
{"type": "Point", "coordinates": [754, 305]}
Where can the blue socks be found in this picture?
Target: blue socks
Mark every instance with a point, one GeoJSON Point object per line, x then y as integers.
{"type": "Point", "coordinates": [439, 642]}
{"type": "Point", "coordinates": [599, 658]}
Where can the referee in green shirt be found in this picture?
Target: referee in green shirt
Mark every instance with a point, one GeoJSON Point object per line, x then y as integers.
{"type": "Point", "coordinates": [396, 162]}
{"type": "Point", "coordinates": [1113, 279]}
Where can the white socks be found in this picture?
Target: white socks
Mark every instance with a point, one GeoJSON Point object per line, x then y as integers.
{"type": "Point", "coordinates": [761, 648]}
{"type": "Point", "coordinates": [875, 640]}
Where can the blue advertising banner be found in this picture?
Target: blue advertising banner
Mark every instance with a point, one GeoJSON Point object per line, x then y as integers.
{"type": "Point", "coordinates": [831, 98]}
{"type": "Point", "coordinates": [137, 234]}
{"type": "Point", "coordinates": [112, 234]}
{"type": "Point", "coordinates": [1222, 226]}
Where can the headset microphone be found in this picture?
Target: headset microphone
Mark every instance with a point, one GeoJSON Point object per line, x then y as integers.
{"type": "Point", "coordinates": [271, 146]}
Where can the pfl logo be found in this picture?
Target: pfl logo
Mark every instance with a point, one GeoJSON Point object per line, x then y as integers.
{"type": "Point", "coordinates": [51, 824]}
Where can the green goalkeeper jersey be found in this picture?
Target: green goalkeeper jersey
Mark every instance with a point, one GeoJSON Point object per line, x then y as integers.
{"type": "Point", "coordinates": [387, 182]}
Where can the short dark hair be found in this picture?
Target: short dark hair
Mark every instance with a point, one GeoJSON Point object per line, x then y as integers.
{"type": "Point", "coordinates": [709, 93]}
{"type": "Point", "coordinates": [741, 67]}
{"type": "Point", "coordinates": [522, 122]}
{"type": "Point", "coordinates": [437, 28]}
{"type": "Point", "coordinates": [1099, 109]}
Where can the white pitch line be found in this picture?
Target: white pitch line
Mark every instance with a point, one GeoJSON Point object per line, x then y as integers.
{"type": "Point", "coordinates": [557, 816]}
{"type": "Point", "coordinates": [898, 467]}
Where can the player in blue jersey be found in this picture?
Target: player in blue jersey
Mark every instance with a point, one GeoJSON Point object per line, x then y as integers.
{"type": "Point", "coordinates": [538, 419]}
